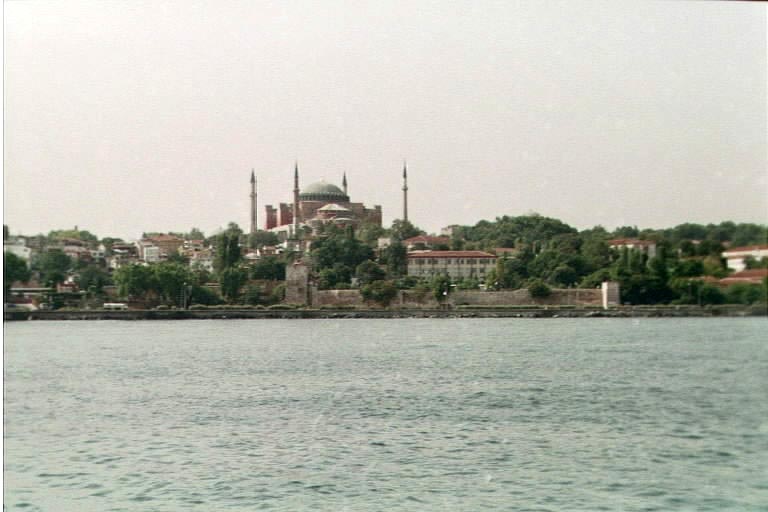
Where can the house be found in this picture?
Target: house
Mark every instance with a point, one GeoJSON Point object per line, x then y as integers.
{"type": "Point", "coordinates": [202, 260]}
{"type": "Point", "coordinates": [454, 264]}
{"type": "Point", "coordinates": [645, 246]}
{"type": "Point", "coordinates": [752, 276]}
{"type": "Point", "coordinates": [735, 256]}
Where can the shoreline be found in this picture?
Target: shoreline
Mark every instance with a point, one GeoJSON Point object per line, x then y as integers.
{"type": "Point", "coordinates": [531, 312]}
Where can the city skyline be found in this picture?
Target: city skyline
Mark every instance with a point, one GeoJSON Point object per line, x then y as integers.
{"type": "Point", "coordinates": [133, 116]}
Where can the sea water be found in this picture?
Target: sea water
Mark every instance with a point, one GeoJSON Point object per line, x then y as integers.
{"type": "Point", "coordinates": [406, 414]}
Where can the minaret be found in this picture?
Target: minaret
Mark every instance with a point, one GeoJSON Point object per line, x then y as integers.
{"type": "Point", "coordinates": [344, 183]}
{"type": "Point", "coordinates": [296, 201]}
{"type": "Point", "coordinates": [253, 205]}
{"type": "Point", "coordinates": [405, 191]}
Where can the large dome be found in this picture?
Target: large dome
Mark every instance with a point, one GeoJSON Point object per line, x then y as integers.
{"type": "Point", "coordinates": [322, 191]}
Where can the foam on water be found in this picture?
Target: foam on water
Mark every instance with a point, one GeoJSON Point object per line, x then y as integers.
{"type": "Point", "coordinates": [464, 414]}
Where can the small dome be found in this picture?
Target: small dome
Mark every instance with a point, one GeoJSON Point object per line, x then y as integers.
{"type": "Point", "coordinates": [322, 191]}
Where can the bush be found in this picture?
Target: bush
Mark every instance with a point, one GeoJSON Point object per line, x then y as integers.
{"type": "Point", "coordinates": [538, 289]}
{"type": "Point", "coordinates": [204, 296]}
{"type": "Point", "coordinates": [710, 294]}
{"type": "Point", "coordinates": [278, 293]}
{"type": "Point", "coordinates": [381, 292]}
{"type": "Point", "coordinates": [742, 293]}
{"type": "Point", "coordinates": [252, 295]}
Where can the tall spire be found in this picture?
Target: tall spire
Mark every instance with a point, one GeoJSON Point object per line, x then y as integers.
{"type": "Point", "coordinates": [296, 201]}
{"type": "Point", "coordinates": [253, 206]}
{"type": "Point", "coordinates": [405, 191]}
{"type": "Point", "coordinates": [344, 183]}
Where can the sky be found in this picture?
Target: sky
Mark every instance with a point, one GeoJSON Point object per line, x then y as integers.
{"type": "Point", "coordinates": [122, 117]}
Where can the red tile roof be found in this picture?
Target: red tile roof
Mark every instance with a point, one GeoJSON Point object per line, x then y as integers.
{"type": "Point", "coordinates": [751, 276]}
{"type": "Point", "coordinates": [163, 237]}
{"type": "Point", "coordinates": [451, 254]}
{"type": "Point", "coordinates": [426, 239]}
{"type": "Point", "coordinates": [753, 272]}
{"type": "Point", "coordinates": [748, 248]}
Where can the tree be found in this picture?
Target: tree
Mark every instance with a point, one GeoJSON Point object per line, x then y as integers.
{"type": "Point", "coordinates": [333, 277]}
{"type": "Point", "coordinates": [5, 232]}
{"type": "Point", "coordinates": [262, 238]}
{"type": "Point", "coordinates": [205, 296]}
{"type": "Point", "coordinates": [468, 283]}
{"type": "Point", "coordinates": [93, 278]}
{"type": "Point", "coordinates": [227, 250]}
{"type": "Point", "coordinates": [171, 280]}
{"type": "Point", "coordinates": [688, 268]}
{"type": "Point", "coordinates": [370, 233]}
{"type": "Point", "coordinates": [441, 286]}
{"type": "Point", "coordinates": [381, 292]}
{"type": "Point", "coordinates": [85, 236]}
{"type": "Point", "coordinates": [750, 262]}
{"type": "Point", "coordinates": [710, 294]}
{"type": "Point", "coordinates": [252, 295]}
{"type": "Point", "coordinates": [134, 280]}
{"type": "Point", "coordinates": [53, 266]}
{"type": "Point", "coordinates": [269, 268]}
{"type": "Point", "coordinates": [368, 272]}
{"type": "Point", "coordinates": [231, 280]}
{"type": "Point", "coordinates": [395, 257]}
{"type": "Point", "coordinates": [195, 234]}
{"type": "Point", "coordinates": [403, 230]}
{"type": "Point", "coordinates": [742, 293]}
{"type": "Point", "coordinates": [178, 258]}
{"type": "Point", "coordinates": [626, 232]}
{"type": "Point", "coordinates": [14, 269]}
{"type": "Point", "coordinates": [339, 249]}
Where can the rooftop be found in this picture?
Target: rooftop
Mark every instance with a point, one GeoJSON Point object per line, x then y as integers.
{"type": "Point", "coordinates": [451, 254]}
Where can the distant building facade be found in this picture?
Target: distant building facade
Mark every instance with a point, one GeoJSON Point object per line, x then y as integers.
{"type": "Point", "coordinates": [18, 247]}
{"type": "Point", "coordinates": [735, 256]}
{"type": "Point", "coordinates": [454, 264]}
{"type": "Point", "coordinates": [645, 246]}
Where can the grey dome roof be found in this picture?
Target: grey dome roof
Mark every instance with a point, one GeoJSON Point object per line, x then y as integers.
{"type": "Point", "coordinates": [322, 191]}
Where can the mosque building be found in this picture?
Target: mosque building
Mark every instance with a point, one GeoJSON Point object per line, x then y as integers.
{"type": "Point", "coordinates": [314, 206]}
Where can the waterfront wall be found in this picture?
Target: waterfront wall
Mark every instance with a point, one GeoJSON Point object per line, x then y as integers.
{"type": "Point", "coordinates": [559, 297]}
{"type": "Point", "coordinates": [477, 312]}
{"type": "Point", "coordinates": [412, 299]}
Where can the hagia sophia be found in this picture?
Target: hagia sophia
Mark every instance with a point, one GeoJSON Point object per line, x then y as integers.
{"type": "Point", "coordinates": [316, 205]}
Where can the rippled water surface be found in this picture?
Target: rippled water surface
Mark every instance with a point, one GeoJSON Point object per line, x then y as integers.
{"type": "Point", "coordinates": [462, 414]}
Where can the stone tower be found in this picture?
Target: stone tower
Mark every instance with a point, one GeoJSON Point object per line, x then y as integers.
{"type": "Point", "coordinates": [253, 204]}
{"type": "Point", "coordinates": [344, 184]}
{"type": "Point", "coordinates": [405, 191]}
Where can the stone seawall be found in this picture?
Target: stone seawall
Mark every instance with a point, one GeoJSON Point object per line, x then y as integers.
{"type": "Point", "coordinates": [412, 299]}
{"type": "Point", "coordinates": [466, 312]}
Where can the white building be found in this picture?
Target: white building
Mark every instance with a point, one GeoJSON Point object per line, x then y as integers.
{"type": "Point", "coordinates": [736, 255]}
{"type": "Point", "coordinates": [454, 264]}
{"type": "Point", "coordinates": [17, 247]}
{"type": "Point", "coordinates": [645, 246]}
{"type": "Point", "coordinates": [202, 260]}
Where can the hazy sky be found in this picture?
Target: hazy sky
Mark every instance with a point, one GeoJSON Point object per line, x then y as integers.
{"type": "Point", "coordinates": [130, 116]}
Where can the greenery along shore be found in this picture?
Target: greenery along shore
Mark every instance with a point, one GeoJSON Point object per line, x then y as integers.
{"type": "Point", "coordinates": [547, 253]}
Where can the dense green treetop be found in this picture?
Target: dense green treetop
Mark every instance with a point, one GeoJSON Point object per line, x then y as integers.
{"type": "Point", "coordinates": [85, 236]}
{"type": "Point", "coordinates": [14, 269]}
